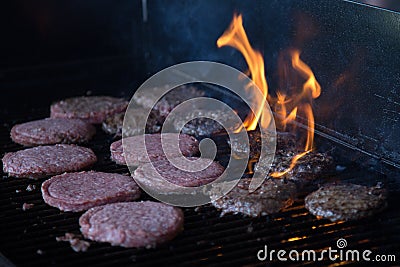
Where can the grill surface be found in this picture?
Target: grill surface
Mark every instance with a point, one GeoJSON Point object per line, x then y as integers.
{"type": "Point", "coordinates": [28, 238]}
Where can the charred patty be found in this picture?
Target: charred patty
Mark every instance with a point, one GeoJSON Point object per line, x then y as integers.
{"type": "Point", "coordinates": [272, 196]}
{"type": "Point", "coordinates": [113, 124]}
{"type": "Point", "coordinates": [344, 202]}
{"type": "Point", "coordinates": [169, 101]}
{"type": "Point", "coordinates": [308, 168]}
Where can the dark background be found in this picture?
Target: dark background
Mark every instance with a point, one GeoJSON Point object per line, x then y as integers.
{"type": "Point", "coordinates": [55, 49]}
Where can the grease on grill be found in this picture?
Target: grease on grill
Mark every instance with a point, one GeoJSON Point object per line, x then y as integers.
{"type": "Point", "coordinates": [27, 206]}
{"type": "Point", "coordinates": [75, 241]}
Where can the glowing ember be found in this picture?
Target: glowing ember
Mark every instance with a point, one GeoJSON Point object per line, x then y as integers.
{"type": "Point", "coordinates": [299, 101]}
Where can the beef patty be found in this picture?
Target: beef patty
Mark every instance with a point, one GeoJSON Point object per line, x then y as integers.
{"type": "Point", "coordinates": [157, 174]}
{"type": "Point", "coordinates": [272, 196]}
{"type": "Point", "coordinates": [41, 161]}
{"type": "Point", "coordinates": [52, 131]}
{"type": "Point", "coordinates": [153, 150]}
{"type": "Point", "coordinates": [344, 202]}
{"type": "Point", "coordinates": [93, 109]}
{"type": "Point", "coordinates": [203, 124]}
{"type": "Point", "coordinates": [169, 101]}
{"type": "Point", "coordinates": [132, 224]}
{"type": "Point", "coordinates": [113, 125]}
{"type": "Point", "coordinates": [307, 169]}
{"type": "Point", "coordinates": [83, 190]}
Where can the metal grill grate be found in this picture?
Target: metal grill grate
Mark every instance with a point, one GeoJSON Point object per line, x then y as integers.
{"type": "Point", "coordinates": [27, 238]}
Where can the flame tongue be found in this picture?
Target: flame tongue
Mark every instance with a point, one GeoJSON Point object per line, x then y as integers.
{"type": "Point", "coordinates": [298, 102]}
{"type": "Point", "coordinates": [235, 36]}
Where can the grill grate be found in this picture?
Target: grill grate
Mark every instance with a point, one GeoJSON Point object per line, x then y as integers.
{"type": "Point", "coordinates": [27, 238]}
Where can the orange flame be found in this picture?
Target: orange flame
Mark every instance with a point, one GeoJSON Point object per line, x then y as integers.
{"type": "Point", "coordinates": [235, 36]}
{"type": "Point", "coordinates": [298, 102]}
{"type": "Point", "coordinates": [311, 85]}
{"type": "Point", "coordinates": [310, 90]}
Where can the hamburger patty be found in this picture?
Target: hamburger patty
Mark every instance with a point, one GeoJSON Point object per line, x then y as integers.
{"type": "Point", "coordinates": [52, 131]}
{"type": "Point", "coordinates": [157, 174]}
{"type": "Point", "coordinates": [41, 161]}
{"type": "Point", "coordinates": [153, 150]}
{"type": "Point", "coordinates": [344, 202]}
{"type": "Point", "coordinates": [203, 123]}
{"type": "Point", "coordinates": [169, 101]}
{"type": "Point", "coordinates": [132, 224]}
{"type": "Point", "coordinates": [83, 190]}
{"type": "Point", "coordinates": [272, 196]}
{"type": "Point", "coordinates": [92, 109]}
{"type": "Point", "coordinates": [113, 125]}
{"type": "Point", "coordinates": [308, 167]}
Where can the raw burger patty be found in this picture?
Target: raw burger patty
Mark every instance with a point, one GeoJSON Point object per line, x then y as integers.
{"type": "Point", "coordinates": [93, 109]}
{"type": "Point", "coordinates": [149, 173]}
{"type": "Point", "coordinates": [113, 125]}
{"type": "Point", "coordinates": [272, 196]}
{"type": "Point", "coordinates": [43, 161]}
{"type": "Point", "coordinates": [188, 145]}
{"type": "Point", "coordinates": [83, 190]}
{"type": "Point", "coordinates": [52, 131]}
{"type": "Point", "coordinates": [132, 224]}
{"type": "Point", "coordinates": [344, 202]}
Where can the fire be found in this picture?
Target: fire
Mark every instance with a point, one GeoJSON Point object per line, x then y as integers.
{"type": "Point", "coordinates": [235, 36]}
{"type": "Point", "coordinates": [311, 85]}
{"type": "Point", "coordinates": [301, 101]}
{"type": "Point", "coordinates": [298, 100]}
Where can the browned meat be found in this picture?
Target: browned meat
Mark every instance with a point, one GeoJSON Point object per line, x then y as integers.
{"type": "Point", "coordinates": [113, 125]}
{"type": "Point", "coordinates": [344, 202]}
{"type": "Point", "coordinates": [272, 196]}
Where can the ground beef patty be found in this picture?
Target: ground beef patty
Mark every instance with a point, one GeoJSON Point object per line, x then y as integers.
{"type": "Point", "coordinates": [83, 190]}
{"type": "Point", "coordinates": [113, 125]}
{"type": "Point", "coordinates": [344, 202]}
{"type": "Point", "coordinates": [307, 169]}
{"type": "Point", "coordinates": [155, 174]}
{"type": "Point", "coordinates": [272, 196]}
{"type": "Point", "coordinates": [169, 101]}
{"type": "Point", "coordinates": [52, 131]}
{"type": "Point", "coordinates": [132, 224]}
{"type": "Point", "coordinates": [43, 161]}
{"type": "Point", "coordinates": [204, 122]}
{"type": "Point", "coordinates": [153, 150]}
{"type": "Point", "coordinates": [92, 109]}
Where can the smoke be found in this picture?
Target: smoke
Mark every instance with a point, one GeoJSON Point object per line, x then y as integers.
{"type": "Point", "coordinates": [188, 30]}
